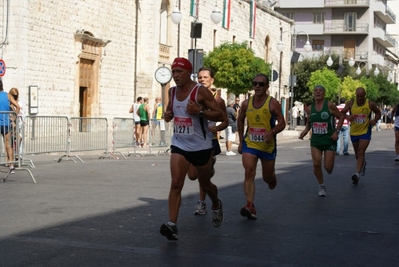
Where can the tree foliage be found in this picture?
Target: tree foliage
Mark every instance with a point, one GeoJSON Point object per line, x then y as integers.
{"type": "Point", "coordinates": [349, 86]}
{"type": "Point", "coordinates": [235, 65]}
{"type": "Point", "coordinates": [328, 79]}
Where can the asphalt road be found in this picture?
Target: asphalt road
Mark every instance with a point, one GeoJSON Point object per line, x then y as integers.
{"type": "Point", "coordinates": [107, 212]}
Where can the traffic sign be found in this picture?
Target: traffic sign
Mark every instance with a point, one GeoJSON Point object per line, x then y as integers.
{"type": "Point", "coordinates": [2, 68]}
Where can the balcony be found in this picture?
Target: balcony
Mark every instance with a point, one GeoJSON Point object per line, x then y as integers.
{"type": "Point", "coordinates": [384, 13]}
{"type": "Point", "coordinates": [346, 3]}
{"type": "Point", "coordinates": [343, 28]}
{"type": "Point", "coordinates": [384, 39]}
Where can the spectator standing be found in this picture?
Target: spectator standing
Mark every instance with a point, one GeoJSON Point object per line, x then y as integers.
{"type": "Point", "coordinates": [236, 107]}
{"type": "Point", "coordinates": [156, 119]}
{"type": "Point", "coordinates": [294, 116]}
{"type": "Point", "coordinates": [144, 113]}
{"type": "Point", "coordinates": [343, 135]}
{"type": "Point", "coordinates": [18, 120]}
{"type": "Point", "coordinates": [133, 109]}
{"type": "Point", "coordinates": [360, 129]}
{"type": "Point", "coordinates": [190, 106]}
{"type": "Point", "coordinates": [259, 142]}
{"type": "Point", "coordinates": [5, 126]}
{"type": "Point", "coordinates": [231, 129]}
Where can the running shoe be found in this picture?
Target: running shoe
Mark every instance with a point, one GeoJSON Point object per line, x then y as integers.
{"type": "Point", "coordinates": [322, 191]}
{"type": "Point", "coordinates": [200, 208]}
{"type": "Point", "coordinates": [397, 158]}
{"type": "Point", "coordinates": [230, 153]}
{"type": "Point", "coordinates": [170, 231]}
{"type": "Point", "coordinates": [355, 179]}
{"type": "Point", "coordinates": [363, 170]}
{"type": "Point", "coordinates": [217, 215]}
{"type": "Point", "coordinates": [248, 211]}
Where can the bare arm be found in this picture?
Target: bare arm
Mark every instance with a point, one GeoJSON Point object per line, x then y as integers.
{"type": "Point", "coordinates": [208, 104]}
{"type": "Point", "coordinates": [14, 103]}
{"type": "Point", "coordinates": [341, 116]}
{"type": "Point", "coordinates": [131, 109]}
{"type": "Point", "coordinates": [275, 109]}
{"type": "Point", "coordinates": [347, 107]}
{"type": "Point", "coordinates": [376, 110]}
{"type": "Point", "coordinates": [307, 127]}
{"type": "Point", "coordinates": [168, 114]}
{"type": "Point", "coordinates": [223, 125]}
{"type": "Point", "coordinates": [241, 120]}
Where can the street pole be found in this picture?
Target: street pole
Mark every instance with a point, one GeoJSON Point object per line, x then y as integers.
{"type": "Point", "coordinates": [162, 122]}
{"type": "Point", "coordinates": [292, 99]}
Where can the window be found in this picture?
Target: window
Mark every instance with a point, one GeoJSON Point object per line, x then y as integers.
{"type": "Point", "coordinates": [318, 18]}
{"type": "Point", "coordinates": [318, 45]}
{"type": "Point", "coordinates": [289, 15]}
{"type": "Point", "coordinates": [350, 21]}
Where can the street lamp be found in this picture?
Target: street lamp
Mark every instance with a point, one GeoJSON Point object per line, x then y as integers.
{"type": "Point", "coordinates": [196, 27]}
{"type": "Point", "coordinates": [359, 70]}
{"type": "Point", "coordinates": [176, 16]}
{"type": "Point", "coordinates": [280, 47]}
{"type": "Point", "coordinates": [351, 61]}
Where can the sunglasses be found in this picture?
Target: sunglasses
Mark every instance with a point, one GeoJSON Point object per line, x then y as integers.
{"type": "Point", "coordinates": [261, 84]}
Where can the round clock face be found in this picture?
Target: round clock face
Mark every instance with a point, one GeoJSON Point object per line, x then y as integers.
{"type": "Point", "coordinates": [163, 75]}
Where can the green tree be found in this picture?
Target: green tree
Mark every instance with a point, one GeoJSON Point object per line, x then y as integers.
{"type": "Point", "coordinates": [349, 86]}
{"type": "Point", "coordinates": [304, 69]}
{"type": "Point", "coordinates": [328, 79]}
{"type": "Point", "coordinates": [387, 93]}
{"type": "Point", "coordinates": [235, 65]}
{"type": "Point", "coordinates": [372, 88]}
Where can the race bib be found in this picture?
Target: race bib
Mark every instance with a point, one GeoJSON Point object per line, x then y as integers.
{"type": "Point", "coordinates": [360, 118]}
{"type": "Point", "coordinates": [183, 125]}
{"type": "Point", "coordinates": [257, 134]}
{"type": "Point", "coordinates": [320, 128]}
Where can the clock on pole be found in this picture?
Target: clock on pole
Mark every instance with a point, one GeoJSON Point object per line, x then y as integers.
{"type": "Point", "coordinates": [163, 75]}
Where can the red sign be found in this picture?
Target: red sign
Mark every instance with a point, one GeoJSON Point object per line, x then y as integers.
{"type": "Point", "coordinates": [2, 68]}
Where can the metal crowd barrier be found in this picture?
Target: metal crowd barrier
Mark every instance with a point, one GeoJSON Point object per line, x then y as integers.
{"type": "Point", "coordinates": [88, 134]}
{"type": "Point", "coordinates": [12, 137]}
{"type": "Point", "coordinates": [159, 138]}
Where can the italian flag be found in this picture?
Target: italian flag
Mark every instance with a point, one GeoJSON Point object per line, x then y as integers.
{"type": "Point", "coordinates": [226, 14]}
{"type": "Point", "coordinates": [194, 8]}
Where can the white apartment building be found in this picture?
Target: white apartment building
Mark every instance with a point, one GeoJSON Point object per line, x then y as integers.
{"type": "Point", "coordinates": [352, 28]}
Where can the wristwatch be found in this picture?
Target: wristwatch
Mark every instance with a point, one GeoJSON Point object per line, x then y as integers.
{"type": "Point", "coordinates": [201, 113]}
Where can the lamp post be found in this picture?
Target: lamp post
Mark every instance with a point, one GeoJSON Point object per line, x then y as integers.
{"type": "Point", "coordinates": [294, 58]}
{"type": "Point", "coordinates": [176, 18]}
{"type": "Point", "coordinates": [359, 70]}
{"type": "Point", "coordinates": [351, 61]}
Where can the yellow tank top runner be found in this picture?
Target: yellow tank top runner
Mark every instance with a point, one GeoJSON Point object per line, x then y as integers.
{"type": "Point", "coordinates": [159, 112]}
{"type": "Point", "coordinates": [360, 124]}
{"type": "Point", "coordinates": [259, 122]}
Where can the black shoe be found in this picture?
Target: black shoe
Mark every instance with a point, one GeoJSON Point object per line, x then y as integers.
{"type": "Point", "coordinates": [355, 179]}
{"type": "Point", "coordinates": [336, 153]}
{"type": "Point", "coordinates": [346, 154]}
{"type": "Point", "coordinates": [170, 231]}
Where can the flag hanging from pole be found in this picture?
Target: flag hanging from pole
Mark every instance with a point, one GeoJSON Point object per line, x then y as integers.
{"type": "Point", "coordinates": [226, 14]}
{"type": "Point", "coordinates": [194, 8]}
{"type": "Point", "coordinates": [252, 19]}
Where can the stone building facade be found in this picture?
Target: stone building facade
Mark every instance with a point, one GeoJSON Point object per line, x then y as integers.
{"type": "Point", "coordinates": [92, 58]}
